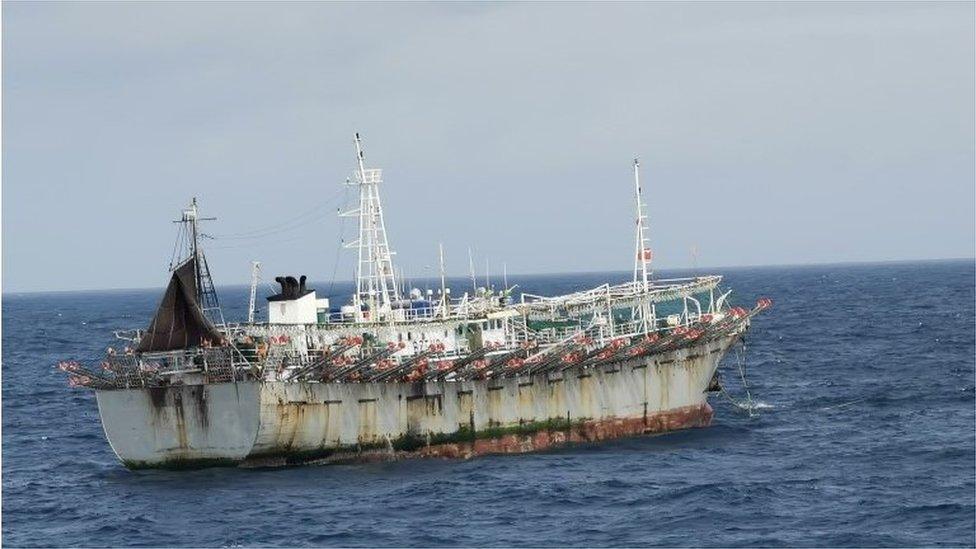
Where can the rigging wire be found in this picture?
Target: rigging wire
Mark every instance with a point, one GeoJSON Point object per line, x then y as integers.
{"type": "Point", "coordinates": [182, 247]}
{"type": "Point", "coordinates": [342, 233]}
{"type": "Point", "coordinates": [237, 244]}
{"type": "Point", "coordinates": [293, 222]}
{"type": "Point", "coordinates": [290, 225]}
{"type": "Point", "coordinates": [176, 244]}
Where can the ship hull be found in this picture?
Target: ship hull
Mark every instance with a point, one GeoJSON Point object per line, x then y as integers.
{"type": "Point", "coordinates": [274, 423]}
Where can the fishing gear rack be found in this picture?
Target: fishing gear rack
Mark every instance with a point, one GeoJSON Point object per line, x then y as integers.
{"type": "Point", "coordinates": [350, 360]}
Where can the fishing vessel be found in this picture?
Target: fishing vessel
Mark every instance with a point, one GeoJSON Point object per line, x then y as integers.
{"type": "Point", "coordinates": [386, 376]}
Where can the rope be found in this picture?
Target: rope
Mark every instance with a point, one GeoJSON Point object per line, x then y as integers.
{"type": "Point", "coordinates": [178, 246]}
{"type": "Point", "coordinates": [748, 404]}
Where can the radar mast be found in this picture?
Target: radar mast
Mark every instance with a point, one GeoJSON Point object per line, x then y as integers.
{"type": "Point", "coordinates": [376, 285]}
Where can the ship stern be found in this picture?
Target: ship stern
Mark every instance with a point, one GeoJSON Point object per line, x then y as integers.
{"type": "Point", "coordinates": [181, 426]}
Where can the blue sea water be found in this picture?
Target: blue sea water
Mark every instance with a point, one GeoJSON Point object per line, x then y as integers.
{"type": "Point", "coordinates": [865, 437]}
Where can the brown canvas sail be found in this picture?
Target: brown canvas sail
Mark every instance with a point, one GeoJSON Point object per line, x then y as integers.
{"type": "Point", "coordinates": [179, 323]}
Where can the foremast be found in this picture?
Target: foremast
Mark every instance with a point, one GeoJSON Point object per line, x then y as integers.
{"type": "Point", "coordinates": [190, 241]}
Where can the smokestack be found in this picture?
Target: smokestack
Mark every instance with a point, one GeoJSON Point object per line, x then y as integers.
{"type": "Point", "coordinates": [292, 291]}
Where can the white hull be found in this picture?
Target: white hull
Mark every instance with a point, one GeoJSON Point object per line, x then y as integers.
{"type": "Point", "coordinates": [276, 422]}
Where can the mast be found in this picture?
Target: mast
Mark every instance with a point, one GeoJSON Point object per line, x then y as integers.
{"type": "Point", "coordinates": [376, 284]}
{"type": "Point", "coordinates": [643, 256]}
{"type": "Point", "coordinates": [444, 302]}
{"type": "Point", "coordinates": [191, 216]}
{"type": "Point", "coordinates": [206, 293]}
{"type": "Point", "coordinates": [474, 281]}
{"type": "Point", "coordinates": [255, 272]}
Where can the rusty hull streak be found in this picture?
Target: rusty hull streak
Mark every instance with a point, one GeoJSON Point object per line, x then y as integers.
{"type": "Point", "coordinates": [168, 412]}
{"type": "Point", "coordinates": [199, 394]}
{"type": "Point", "coordinates": [513, 443]}
{"type": "Point", "coordinates": [514, 416]}
{"type": "Point", "coordinates": [587, 431]}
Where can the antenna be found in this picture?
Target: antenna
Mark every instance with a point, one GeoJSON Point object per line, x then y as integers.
{"type": "Point", "coordinates": [444, 301]}
{"type": "Point", "coordinates": [474, 282]}
{"type": "Point", "coordinates": [505, 275]}
{"type": "Point", "coordinates": [190, 217]}
{"type": "Point", "coordinates": [255, 275]}
{"type": "Point", "coordinates": [376, 283]}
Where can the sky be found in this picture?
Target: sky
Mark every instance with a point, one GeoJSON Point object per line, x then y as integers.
{"type": "Point", "coordinates": [768, 133]}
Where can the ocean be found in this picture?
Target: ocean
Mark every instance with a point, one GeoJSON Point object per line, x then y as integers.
{"type": "Point", "coordinates": [863, 435]}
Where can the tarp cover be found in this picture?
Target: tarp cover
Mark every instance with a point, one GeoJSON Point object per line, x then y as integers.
{"type": "Point", "coordinates": [179, 323]}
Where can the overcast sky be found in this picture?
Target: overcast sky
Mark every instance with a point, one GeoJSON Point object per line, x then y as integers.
{"type": "Point", "coordinates": [769, 133]}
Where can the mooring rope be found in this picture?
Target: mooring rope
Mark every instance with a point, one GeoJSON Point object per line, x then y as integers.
{"type": "Point", "coordinates": [748, 404]}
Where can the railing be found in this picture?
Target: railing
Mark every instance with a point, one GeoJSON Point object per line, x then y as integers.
{"type": "Point", "coordinates": [457, 308]}
{"type": "Point", "coordinates": [607, 296]}
{"type": "Point", "coordinates": [618, 328]}
{"type": "Point", "coordinates": [556, 348]}
{"type": "Point", "coordinates": [278, 360]}
{"type": "Point", "coordinates": [212, 364]}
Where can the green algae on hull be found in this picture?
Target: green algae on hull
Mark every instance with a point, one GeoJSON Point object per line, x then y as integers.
{"type": "Point", "coordinates": [181, 464]}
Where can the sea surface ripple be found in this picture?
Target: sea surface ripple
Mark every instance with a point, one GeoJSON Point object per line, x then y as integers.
{"type": "Point", "coordinates": [864, 437]}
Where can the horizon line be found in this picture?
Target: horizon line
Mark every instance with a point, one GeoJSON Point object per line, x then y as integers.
{"type": "Point", "coordinates": [554, 273]}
